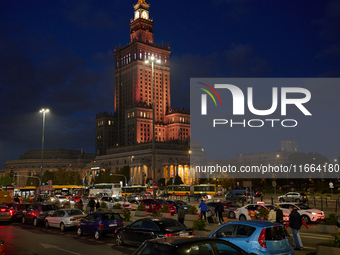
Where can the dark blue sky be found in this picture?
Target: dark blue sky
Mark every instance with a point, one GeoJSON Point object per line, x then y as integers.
{"type": "Point", "coordinates": [59, 54]}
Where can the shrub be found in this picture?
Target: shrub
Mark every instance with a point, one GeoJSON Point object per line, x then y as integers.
{"type": "Point", "coordinates": [141, 207]}
{"type": "Point", "coordinates": [67, 203]}
{"type": "Point", "coordinates": [198, 225]}
{"type": "Point", "coordinates": [156, 214]}
{"type": "Point", "coordinates": [103, 205]}
{"type": "Point", "coordinates": [126, 215]}
{"type": "Point", "coordinates": [57, 203]}
{"type": "Point", "coordinates": [192, 210]}
{"type": "Point", "coordinates": [332, 219]}
{"type": "Point", "coordinates": [79, 205]}
{"type": "Point", "coordinates": [262, 214]}
{"type": "Point", "coordinates": [117, 206]}
{"type": "Point", "coordinates": [165, 209]}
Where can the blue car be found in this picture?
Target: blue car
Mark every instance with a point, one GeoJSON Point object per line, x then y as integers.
{"type": "Point", "coordinates": [99, 224]}
{"type": "Point", "coordinates": [256, 236]}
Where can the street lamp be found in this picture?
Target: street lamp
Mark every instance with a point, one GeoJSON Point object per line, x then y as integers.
{"type": "Point", "coordinates": [43, 111]}
{"type": "Point", "coordinates": [152, 61]}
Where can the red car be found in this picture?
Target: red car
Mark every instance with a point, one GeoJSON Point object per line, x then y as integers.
{"type": "Point", "coordinates": [74, 199]}
{"type": "Point", "coordinates": [152, 205]}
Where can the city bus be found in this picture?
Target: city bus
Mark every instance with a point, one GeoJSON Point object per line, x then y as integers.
{"type": "Point", "coordinates": [128, 191]}
{"type": "Point", "coordinates": [26, 192]}
{"type": "Point", "coordinates": [210, 189]}
{"type": "Point", "coordinates": [67, 190]}
{"type": "Point", "coordinates": [105, 189]}
{"type": "Point", "coordinates": [179, 190]}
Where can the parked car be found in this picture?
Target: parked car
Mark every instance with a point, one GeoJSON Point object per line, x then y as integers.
{"type": "Point", "coordinates": [298, 197]}
{"type": "Point", "coordinates": [19, 209]}
{"type": "Point", "coordinates": [239, 196]}
{"type": "Point", "coordinates": [196, 197]}
{"type": "Point", "coordinates": [188, 245]}
{"type": "Point", "coordinates": [229, 208]}
{"type": "Point", "coordinates": [151, 205]}
{"type": "Point", "coordinates": [176, 204]}
{"type": "Point", "coordinates": [38, 212]}
{"type": "Point", "coordinates": [73, 200]}
{"type": "Point", "coordinates": [134, 204]}
{"type": "Point", "coordinates": [122, 200]}
{"type": "Point", "coordinates": [256, 236]}
{"type": "Point", "coordinates": [5, 213]}
{"type": "Point", "coordinates": [99, 224]}
{"type": "Point", "coordinates": [246, 212]}
{"type": "Point", "coordinates": [61, 198]}
{"type": "Point", "coordinates": [307, 214]}
{"type": "Point", "coordinates": [140, 230]}
{"type": "Point", "coordinates": [172, 208]}
{"type": "Point", "coordinates": [64, 218]}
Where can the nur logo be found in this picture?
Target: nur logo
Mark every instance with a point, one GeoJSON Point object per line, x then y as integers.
{"type": "Point", "coordinates": [204, 97]}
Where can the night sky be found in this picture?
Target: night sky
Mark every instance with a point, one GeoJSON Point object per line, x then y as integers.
{"type": "Point", "coordinates": [59, 55]}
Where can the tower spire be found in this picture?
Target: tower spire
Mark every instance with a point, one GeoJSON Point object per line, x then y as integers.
{"type": "Point", "coordinates": [142, 1]}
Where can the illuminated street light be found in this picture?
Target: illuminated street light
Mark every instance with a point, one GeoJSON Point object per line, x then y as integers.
{"type": "Point", "coordinates": [152, 61]}
{"type": "Point", "coordinates": [43, 111]}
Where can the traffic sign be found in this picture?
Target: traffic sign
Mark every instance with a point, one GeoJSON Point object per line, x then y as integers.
{"type": "Point", "coordinates": [274, 184]}
{"type": "Point", "coordinates": [155, 186]}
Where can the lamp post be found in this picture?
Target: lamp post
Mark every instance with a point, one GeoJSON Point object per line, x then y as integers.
{"type": "Point", "coordinates": [152, 61]}
{"type": "Point", "coordinates": [43, 111]}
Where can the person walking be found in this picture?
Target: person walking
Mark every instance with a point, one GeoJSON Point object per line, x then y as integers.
{"type": "Point", "coordinates": [181, 213]}
{"type": "Point", "coordinates": [219, 209]}
{"type": "Point", "coordinates": [92, 204]}
{"type": "Point", "coordinates": [279, 215]}
{"type": "Point", "coordinates": [272, 215]}
{"type": "Point", "coordinates": [204, 209]}
{"type": "Point", "coordinates": [97, 205]}
{"type": "Point", "coordinates": [295, 223]}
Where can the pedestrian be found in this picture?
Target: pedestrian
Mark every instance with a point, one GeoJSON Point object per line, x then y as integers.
{"type": "Point", "coordinates": [219, 209]}
{"type": "Point", "coordinates": [279, 215]}
{"type": "Point", "coordinates": [204, 209]}
{"type": "Point", "coordinates": [92, 204]}
{"type": "Point", "coordinates": [80, 204]}
{"type": "Point", "coordinates": [181, 213]}
{"type": "Point", "coordinates": [97, 205]}
{"type": "Point", "coordinates": [295, 223]}
{"type": "Point", "coordinates": [16, 199]}
{"type": "Point", "coordinates": [272, 215]}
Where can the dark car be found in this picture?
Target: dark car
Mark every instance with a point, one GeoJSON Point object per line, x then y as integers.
{"type": "Point", "coordinates": [151, 205]}
{"type": "Point", "coordinates": [139, 231]}
{"type": "Point", "coordinates": [19, 209]}
{"type": "Point", "coordinates": [196, 197]}
{"type": "Point", "coordinates": [5, 213]}
{"type": "Point", "coordinates": [38, 212]}
{"type": "Point", "coordinates": [99, 224]}
{"type": "Point", "coordinates": [229, 208]}
{"type": "Point", "coordinates": [188, 245]}
{"type": "Point", "coordinates": [176, 204]}
{"type": "Point", "coordinates": [239, 196]}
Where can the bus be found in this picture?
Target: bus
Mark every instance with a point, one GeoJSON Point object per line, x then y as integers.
{"type": "Point", "coordinates": [26, 192]}
{"type": "Point", "coordinates": [105, 189]}
{"type": "Point", "coordinates": [210, 189]}
{"type": "Point", "coordinates": [67, 190]}
{"type": "Point", "coordinates": [179, 190]}
{"type": "Point", "coordinates": [128, 191]}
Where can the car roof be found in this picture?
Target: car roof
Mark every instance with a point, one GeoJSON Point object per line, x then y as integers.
{"type": "Point", "coordinates": [256, 223]}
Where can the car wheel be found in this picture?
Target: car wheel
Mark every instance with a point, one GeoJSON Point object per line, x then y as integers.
{"type": "Point", "coordinates": [23, 220]}
{"type": "Point", "coordinates": [231, 215]}
{"type": "Point", "coordinates": [47, 225]}
{"type": "Point", "coordinates": [62, 227]}
{"type": "Point", "coordinates": [35, 222]}
{"type": "Point", "coordinates": [119, 240]}
{"type": "Point", "coordinates": [79, 232]}
{"type": "Point", "coordinates": [97, 235]}
{"type": "Point", "coordinates": [242, 217]}
{"type": "Point", "coordinates": [305, 218]}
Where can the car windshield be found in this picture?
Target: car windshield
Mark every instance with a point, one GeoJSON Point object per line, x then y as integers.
{"type": "Point", "coordinates": [50, 207]}
{"type": "Point", "coordinates": [275, 233]}
{"type": "Point", "coordinates": [74, 212]}
{"type": "Point", "coordinates": [156, 248]}
{"type": "Point", "coordinates": [23, 206]}
{"type": "Point", "coordinates": [303, 207]}
{"type": "Point", "coordinates": [164, 224]}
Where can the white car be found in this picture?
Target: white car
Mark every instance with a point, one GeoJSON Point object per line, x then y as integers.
{"type": "Point", "coordinates": [64, 218]}
{"type": "Point", "coordinates": [307, 214]}
{"type": "Point", "coordinates": [248, 211]}
{"type": "Point", "coordinates": [111, 201]}
{"type": "Point", "coordinates": [61, 198]}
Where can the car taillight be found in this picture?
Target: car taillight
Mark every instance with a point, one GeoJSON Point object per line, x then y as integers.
{"type": "Point", "coordinates": [72, 219]}
{"type": "Point", "coordinates": [193, 233]}
{"type": "Point", "coordinates": [101, 225]}
{"type": "Point", "coordinates": [11, 212]}
{"type": "Point", "coordinates": [262, 238]}
{"type": "Point", "coordinates": [170, 234]}
{"type": "Point", "coordinates": [3, 210]}
{"type": "Point", "coordinates": [122, 223]}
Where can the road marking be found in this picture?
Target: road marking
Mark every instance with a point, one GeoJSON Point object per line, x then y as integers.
{"type": "Point", "coordinates": [48, 246]}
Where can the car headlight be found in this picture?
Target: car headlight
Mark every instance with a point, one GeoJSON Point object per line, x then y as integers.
{"type": "Point", "coordinates": [313, 213]}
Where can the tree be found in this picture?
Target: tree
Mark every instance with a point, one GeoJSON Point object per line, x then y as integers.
{"type": "Point", "coordinates": [170, 182]}
{"type": "Point", "coordinates": [178, 180]}
{"type": "Point", "coordinates": [6, 179]}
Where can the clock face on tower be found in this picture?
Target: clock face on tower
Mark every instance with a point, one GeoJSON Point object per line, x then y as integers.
{"type": "Point", "coordinates": [144, 15]}
{"type": "Point", "coordinates": [136, 15]}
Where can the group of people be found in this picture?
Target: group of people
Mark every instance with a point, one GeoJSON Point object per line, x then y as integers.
{"type": "Point", "coordinates": [295, 223]}
{"type": "Point", "coordinates": [93, 204]}
{"type": "Point", "coordinates": [219, 209]}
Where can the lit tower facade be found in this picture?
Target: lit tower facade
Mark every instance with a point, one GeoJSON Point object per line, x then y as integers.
{"type": "Point", "coordinates": [133, 89]}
